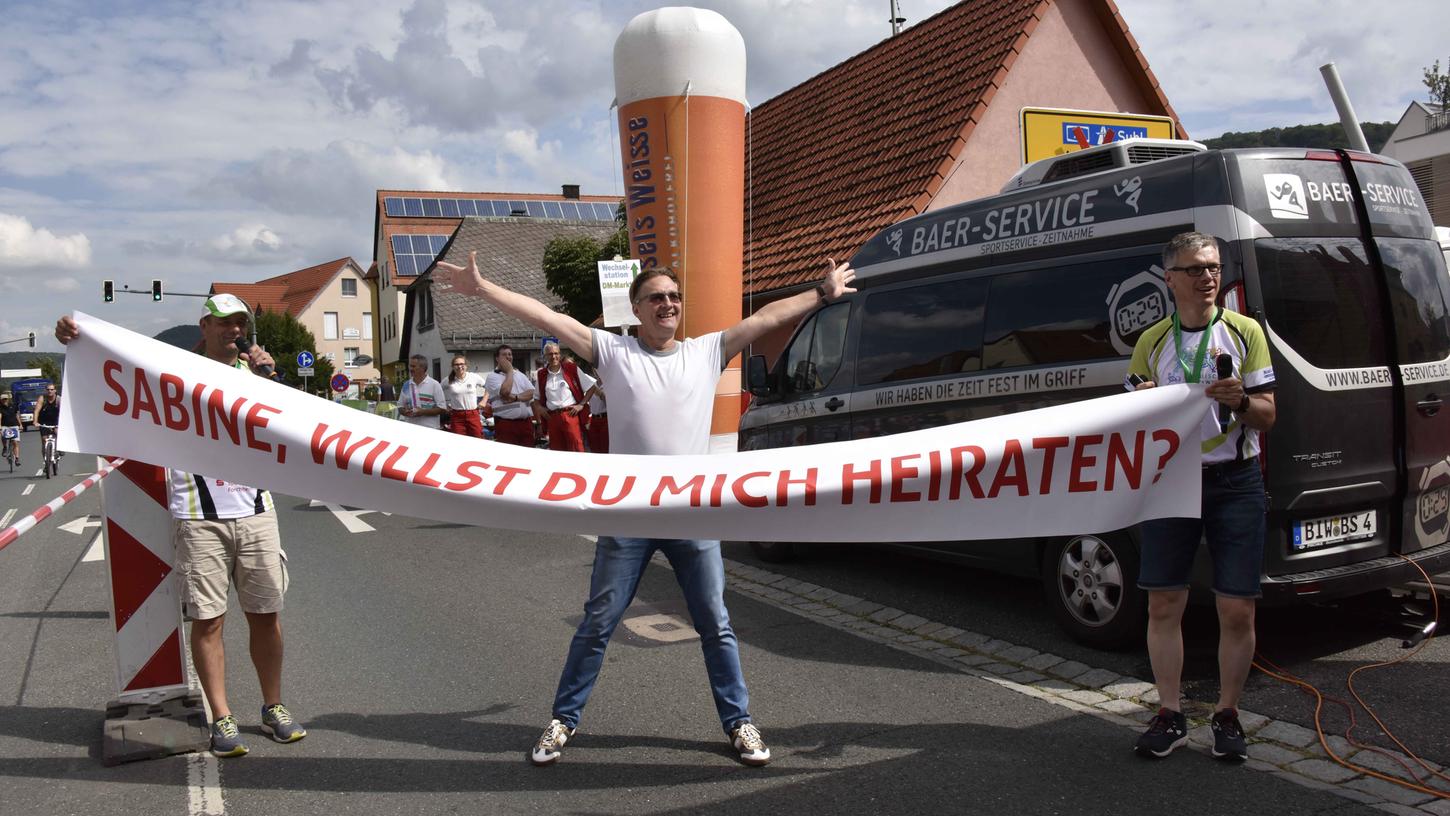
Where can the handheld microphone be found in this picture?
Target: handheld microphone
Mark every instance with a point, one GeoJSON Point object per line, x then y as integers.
{"type": "Point", "coordinates": [245, 347]}
{"type": "Point", "coordinates": [1225, 365]}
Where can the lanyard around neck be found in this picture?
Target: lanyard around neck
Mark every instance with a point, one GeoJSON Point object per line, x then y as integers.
{"type": "Point", "coordinates": [1192, 375]}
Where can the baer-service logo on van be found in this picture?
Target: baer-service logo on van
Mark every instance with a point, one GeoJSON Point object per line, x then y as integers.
{"type": "Point", "coordinates": [1286, 196]}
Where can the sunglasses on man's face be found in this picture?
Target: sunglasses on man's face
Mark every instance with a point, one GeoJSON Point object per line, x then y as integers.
{"type": "Point", "coordinates": [657, 298]}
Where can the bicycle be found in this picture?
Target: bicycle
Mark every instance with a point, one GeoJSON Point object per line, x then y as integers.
{"type": "Point", "coordinates": [9, 437]}
{"type": "Point", "coordinates": [49, 459]}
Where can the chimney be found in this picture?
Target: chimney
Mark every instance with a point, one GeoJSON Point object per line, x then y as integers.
{"type": "Point", "coordinates": [571, 192]}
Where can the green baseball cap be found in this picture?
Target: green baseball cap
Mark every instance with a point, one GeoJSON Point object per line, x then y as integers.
{"type": "Point", "coordinates": [224, 305]}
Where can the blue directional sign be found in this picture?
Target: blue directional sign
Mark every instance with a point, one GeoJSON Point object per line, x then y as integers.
{"type": "Point", "coordinates": [305, 359]}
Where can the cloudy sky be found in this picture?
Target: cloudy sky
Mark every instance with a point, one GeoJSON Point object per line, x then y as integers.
{"type": "Point", "coordinates": [201, 140]}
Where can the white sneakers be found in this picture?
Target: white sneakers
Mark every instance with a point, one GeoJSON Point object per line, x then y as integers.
{"type": "Point", "coordinates": [551, 743]}
{"type": "Point", "coordinates": [747, 740]}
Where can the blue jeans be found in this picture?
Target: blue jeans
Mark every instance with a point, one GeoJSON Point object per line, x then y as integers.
{"type": "Point", "coordinates": [1232, 524]}
{"type": "Point", "coordinates": [619, 564]}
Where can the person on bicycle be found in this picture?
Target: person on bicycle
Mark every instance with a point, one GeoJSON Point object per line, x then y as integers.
{"type": "Point", "coordinates": [47, 415]}
{"type": "Point", "coordinates": [9, 427]}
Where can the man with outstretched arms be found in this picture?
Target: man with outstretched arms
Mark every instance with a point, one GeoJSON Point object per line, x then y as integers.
{"type": "Point", "coordinates": [662, 393]}
{"type": "Point", "coordinates": [1184, 348]}
{"type": "Point", "coordinates": [226, 537]}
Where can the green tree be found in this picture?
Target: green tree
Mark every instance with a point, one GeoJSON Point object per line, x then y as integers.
{"type": "Point", "coordinates": [49, 369]}
{"type": "Point", "coordinates": [282, 336]}
{"type": "Point", "coordinates": [1438, 84]}
{"type": "Point", "coordinates": [570, 271]}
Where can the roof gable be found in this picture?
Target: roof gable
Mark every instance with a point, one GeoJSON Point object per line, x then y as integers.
{"type": "Point", "coordinates": [870, 141]}
{"type": "Point", "coordinates": [291, 293]}
{"type": "Point", "coordinates": [511, 254]}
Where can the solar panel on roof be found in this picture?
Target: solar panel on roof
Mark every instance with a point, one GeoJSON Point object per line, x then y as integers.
{"type": "Point", "coordinates": [570, 210]}
{"type": "Point", "coordinates": [536, 208]}
{"type": "Point", "coordinates": [552, 209]}
{"type": "Point", "coordinates": [517, 208]}
{"type": "Point", "coordinates": [393, 206]}
{"type": "Point", "coordinates": [437, 242]}
{"type": "Point", "coordinates": [413, 206]}
{"type": "Point", "coordinates": [431, 208]}
{"type": "Point", "coordinates": [465, 207]}
{"type": "Point", "coordinates": [449, 207]}
{"type": "Point", "coordinates": [604, 212]}
{"type": "Point", "coordinates": [501, 208]}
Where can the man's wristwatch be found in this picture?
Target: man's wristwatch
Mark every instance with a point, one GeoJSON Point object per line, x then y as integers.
{"type": "Point", "coordinates": [821, 290]}
{"type": "Point", "coordinates": [1243, 405]}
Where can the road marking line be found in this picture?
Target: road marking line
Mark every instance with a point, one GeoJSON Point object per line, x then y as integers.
{"type": "Point", "coordinates": [28, 488]}
{"type": "Point", "coordinates": [349, 518]}
{"type": "Point", "coordinates": [96, 551]}
{"type": "Point", "coordinates": [5, 522]}
{"type": "Point", "coordinates": [203, 771]}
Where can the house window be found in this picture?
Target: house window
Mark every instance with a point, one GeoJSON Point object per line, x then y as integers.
{"type": "Point", "coordinates": [349, 356]}
{"type": "Point", "coordinates": [329, 325]}
{"type": "Point", "coordinates": [349, 287]}
{"type": "Point", "coordinates": [367, 325]}
{"type": "Point", "coordinates": [425, 308]}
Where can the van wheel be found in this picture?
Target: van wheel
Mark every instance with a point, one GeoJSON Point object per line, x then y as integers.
{"type": "Point", "coordinates": [1091, 583]}
{"type": "Point", "coordinates": [773, 552]}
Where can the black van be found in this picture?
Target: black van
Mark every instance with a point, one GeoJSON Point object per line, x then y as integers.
{"type": "Point", "coordinates": [1041, 291]}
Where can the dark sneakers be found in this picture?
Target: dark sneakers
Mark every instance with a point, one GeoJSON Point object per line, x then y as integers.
{"type": "Point", "coordinates": [1166, 731]}
{"type": "Point", "coordinates": [226, 738]}
{"type": "Point", "coordinates": [277, 723]}
{"type": "Point", "coordinates": [1228, 737]}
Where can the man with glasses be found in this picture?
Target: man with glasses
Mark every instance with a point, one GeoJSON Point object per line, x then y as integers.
{"type": "Point", "coordinates": [662, 394]}
{"type": "Point", "coordinates": [564, 393]}
{"type": "Point", "coordinates": [1184, 348]}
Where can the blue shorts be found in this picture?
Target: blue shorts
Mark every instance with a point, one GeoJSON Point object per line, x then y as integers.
{"type": "Point", "coordinates": [1233, 525]}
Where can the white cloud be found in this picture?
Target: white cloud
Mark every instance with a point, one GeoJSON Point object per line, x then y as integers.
{"type": "Point", "coordinates": [23, 246]}
{"type": "Point", "coordinates": [339, 179]}
{"type": "Point", "coordinates": [245, 244]}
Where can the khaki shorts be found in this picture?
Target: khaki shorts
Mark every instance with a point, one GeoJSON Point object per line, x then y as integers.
{"type": "Point", "coordinates": [216, 555]}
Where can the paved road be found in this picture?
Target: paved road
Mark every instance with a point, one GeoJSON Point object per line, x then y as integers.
{"type": "Point", "coordinates": [422, 657]}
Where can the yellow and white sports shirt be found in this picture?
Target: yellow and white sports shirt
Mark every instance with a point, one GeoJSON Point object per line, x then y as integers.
{"type": "Point", "coordinates": [1165, 361]}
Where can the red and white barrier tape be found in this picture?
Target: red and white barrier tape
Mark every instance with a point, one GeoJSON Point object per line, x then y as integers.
{"type": "Point", "coordinates": [19, 528]}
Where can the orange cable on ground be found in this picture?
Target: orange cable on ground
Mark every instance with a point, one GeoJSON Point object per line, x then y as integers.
{"type": "Point", "coordinates": [1420, 785]}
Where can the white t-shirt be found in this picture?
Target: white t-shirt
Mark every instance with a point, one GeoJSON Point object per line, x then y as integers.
{"type": "Point", "coordinates": [462, 395]}
{"type": "Point", "coordinates": [195, 497]}
{"type": "Point", "coordinates": [556, 389]}
{"type": "Point", "coordinates": [427, 395]}
{"type": "Point", "coordinates": [597, 404]}
{"type": "Point", "coordinates": [660, 401]}
{"type": "Point", "coordinates": [508, 410]}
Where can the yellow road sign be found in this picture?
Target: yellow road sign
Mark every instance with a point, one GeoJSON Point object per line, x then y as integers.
{"type": "Point", "coordinates": [1048, 132]}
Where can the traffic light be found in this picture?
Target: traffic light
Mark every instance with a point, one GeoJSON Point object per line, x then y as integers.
{"type": "Point", "coordinates": [156, 290]}
{"type": "Point", "coordinates": [108, 291]}
{"type": "Point", "coordinates": [32, 339]}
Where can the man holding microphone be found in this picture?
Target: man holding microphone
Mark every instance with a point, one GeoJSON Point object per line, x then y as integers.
{"type": "Point", "coordinates": [1203, 342]}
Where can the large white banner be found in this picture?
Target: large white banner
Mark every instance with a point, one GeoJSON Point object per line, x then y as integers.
{"type": "Point", "coordinates": [1091, 466]}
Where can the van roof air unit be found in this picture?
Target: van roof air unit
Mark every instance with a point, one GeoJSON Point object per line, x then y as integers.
{"type": "Point", "coordinates": [1098, 159]}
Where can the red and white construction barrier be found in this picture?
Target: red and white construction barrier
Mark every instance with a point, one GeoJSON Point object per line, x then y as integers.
{"type": "Point", "coordinates": [145, 590]}
{"type": "Point", "coordinates": [19, 528]}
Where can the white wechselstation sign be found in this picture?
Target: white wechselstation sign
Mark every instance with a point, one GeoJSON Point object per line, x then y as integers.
{"type": "Point", "coordinates": [614, 280]}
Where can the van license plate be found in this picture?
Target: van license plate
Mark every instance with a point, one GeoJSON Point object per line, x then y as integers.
{"type": "Point", "coordinates": [1322, 532]}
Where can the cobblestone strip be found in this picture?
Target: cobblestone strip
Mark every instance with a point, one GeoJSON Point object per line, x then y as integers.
{"type": "Point", "coordinates": [1281, 748]}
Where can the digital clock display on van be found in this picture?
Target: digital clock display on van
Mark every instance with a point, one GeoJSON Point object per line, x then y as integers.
{"type": "Point", "coordinates": [1141, 313]}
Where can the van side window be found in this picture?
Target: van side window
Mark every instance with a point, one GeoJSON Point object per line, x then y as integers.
{"type": "Point", "coordinates": [922, 331]}
{"type": "Point", "coordinates": [1417, 298]}
{"type": "Point", "coordinates": [1064, 314]}
{"type": "Point", "coordinates": [815, 355]}
{"type": "Point", "coordinates": [1320, 297]}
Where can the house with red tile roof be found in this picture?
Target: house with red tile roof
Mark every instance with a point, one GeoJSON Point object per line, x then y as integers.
{"type": "Point", "coordinates": [334, 300]}
{"type": "Point", "coordinates": [922, 120]}
{"type": "Point", "coordinates": [410, 228]}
